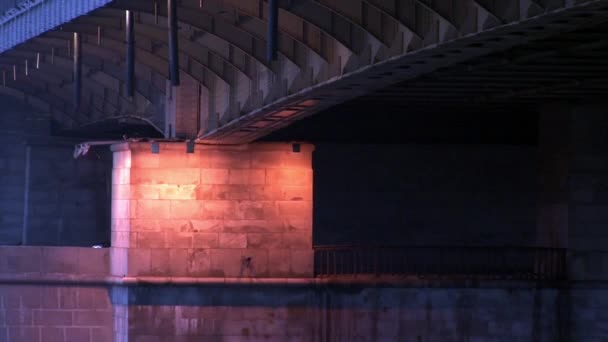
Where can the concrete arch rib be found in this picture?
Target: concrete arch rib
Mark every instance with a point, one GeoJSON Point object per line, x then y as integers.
{"type": "Point", "coordinates": [101, 58]}
{"type": "Point", "coordinates": [250, 7]}
{"type": "Point", "coordinates": [146, 27]}
{"type": "Point", "coordinates": [149, 34]}
{"type": "Point", "coordinates": [38, 95]}
{"type": "Point", "coordinates": [109, 83]}
{"type": "Point", "coordinates": [257, 15]}
{"type": "Point", "coordinates": [114, 39]}
{"type": "Point", "coordinates": [39, 83]}
{"type": "Point", "coordinates": [97, 103]}
{"type": "Point", "coordinates": [34, 101]}
{"type": "Point", "coordinates": [192, 18]}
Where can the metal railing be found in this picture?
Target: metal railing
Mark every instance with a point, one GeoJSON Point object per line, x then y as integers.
{"type": "Point", "coordinates": [450, 262]}
{"type": "Point", "coordinates": [5, 5]}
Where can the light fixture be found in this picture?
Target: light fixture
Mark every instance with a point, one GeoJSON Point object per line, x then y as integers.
{"type": "Point", "coordinates": [154, 147]}
{"type": "Point", "coordinates": [295, 148]}
{"type": "Point", "coordinates": [190, 146]}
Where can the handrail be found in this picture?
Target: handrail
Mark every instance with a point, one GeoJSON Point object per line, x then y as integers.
{"type": "Point", "coordinates": [456, 262]}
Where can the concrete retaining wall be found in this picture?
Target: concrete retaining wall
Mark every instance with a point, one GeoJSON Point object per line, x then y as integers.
{"type": "Point", "coordinates": [33, 310]}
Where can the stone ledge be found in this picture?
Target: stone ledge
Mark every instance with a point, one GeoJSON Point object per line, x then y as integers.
{"type": "Point", "coordinates": [360, 281]}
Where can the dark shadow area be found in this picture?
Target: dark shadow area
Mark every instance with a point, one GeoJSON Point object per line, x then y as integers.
{"type": "Point", "coordinates": [457, 175]}
{"type": "Point", "coordinates": [359, 122]}
{"type": "Point", "coordinates": [48, 197]}
{"type": "Point", "coordinates": [110, 129]}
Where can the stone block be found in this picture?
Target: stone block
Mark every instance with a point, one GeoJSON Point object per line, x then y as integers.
{"type": "Point", "coordinates": [175, 225]}
{"type": "Point", "coordinates": [297, 240]}
{"type": "Point", "coordinates": [144, 160]}
{"type": "Point", "coordinates": [181, 159]}
{"type": "Point", "coordinates": [267, 159]}
{"type": "Point", "coordinates": [53, 317]}
{"type": "Point", "coordinates": [301, 263]}
{"type": "Point", "coordinates": [151, 239]}
{"type": "Point", "coordinates": [166, 176]}
{"type": "Point", "coordinates": [259, 262]}
{"type": "Point", "coordinates": [152, 209]}
{"type": "Point", "coordinates": [186, 209]}
{"type": "Point", "coordinates": [74, 334]}
{"type": "Point", "coordinates": [265, 193]}
{"type": "Point", "coordinates": [257, 177]}
{"type": "Point", "coordinates": [204, 192]}
{"type": "Point", "coordinates": [145, 191]}
{"type": "Point", "coordinates": [264, 240]}
{"type": "Point", "coordinates": [199, 263]}
{"type": "Point", "coordinates": [296, 177]}
{"type": "Point", "coordinates": [121, 209]}
{"type": "Point", "coordinates": [30, 297]}
{"type": "Point", "coordinates": [229, 159]}
{"type": "Point", "coordinates": [159, 262]}
{"type": "Point", "coordinates": [253, 226]}
{"type": "Point", "coordinates": [238, 176]}
{"type": "Point", "coordinates": [251, 210]}
{"type": "Point", "coordinates": [205, 240]}
{"type": "Point", "coordinates": [121, 225]}
{"type": "Point", "coordinates": [59, 260]}
{"type": "Point", "coordinates": [103, 334]}
{"type": "Point", "coordinates": [279, 264]}
{"type": "Point", "coordinates": [230, 192]}
{"type": "Point", "coordinates": [23, 259]}
{"type": "Point", "coordinates": [138, 262]}
{"type": "Point", "coordinates": [11, 297]}
{"type": "Point", "coordinates": [121, 191]}
{"type": "Point", "coordinates": [297, 193]}
{"type": "Point", "coordinates": [271, 211]}
{"type": "Point", "coordinates": [299, 209]}
{"type": "Point", "coordinates": [93, 318]}
{"type": "Point", "coordinates": [93, 261]}
{"type": "Point", "coordinates": [179, 239]}
{"type": "Point", "coordinates": [19, 317]}
{"type": "Point", "coordinates": [225, 262]}
{"type": "Point", "coordinates": [295, 224]}
{"type": "Point", "coordinates": [179, 262]}
{"type": "Point", "coordinates": [121, 176]}
{"type": "Point", "coordinates": [118, 261]}
{"type": "Point", "coordinates": [178, 192]}
{"type": "Point", "coordinates": [232, 240]}
{"type": "Point", "coordinates": [121, 239]}
{"type": "Point", "coordinates": [270, 327]}
{"type": "Point", "coordinates": [52, 334]}
{"type": "Point", "coordinates": [121, 159]}
{"type": "Point", "coordinates": [205, 226]}
{"type": "Point", "coordinates": [219, 209]}
{"type": "Point", "coordinates": [97, 298]}
{"type": "Point", "coordinates": [144, 225]}
{"type": "Point", "coordinates": [23, 334]}
{"type": "Point", "coordinates": [214, 176]}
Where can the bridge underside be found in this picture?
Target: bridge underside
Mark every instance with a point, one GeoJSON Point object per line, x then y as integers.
{"type": "Point", "coordinates": [414, 56]}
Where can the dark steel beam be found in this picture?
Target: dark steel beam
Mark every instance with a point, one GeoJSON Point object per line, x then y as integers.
{"type": "Point", "coordinates": [130, 53]}
{"type": "Point", "coordinates": [273, 30]}
{"type": "Point", "coordinates": [173, 42]}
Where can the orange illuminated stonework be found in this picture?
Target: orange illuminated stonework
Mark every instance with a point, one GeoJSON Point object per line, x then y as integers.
{"type": "Point", "coordinates": [243, 211]}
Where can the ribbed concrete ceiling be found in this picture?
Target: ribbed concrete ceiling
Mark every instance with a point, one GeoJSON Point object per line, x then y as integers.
{"type": "Point", "coordinates": [330, 51]}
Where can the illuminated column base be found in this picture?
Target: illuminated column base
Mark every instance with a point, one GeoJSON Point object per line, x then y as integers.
{"type": "Point", "coordinates": [222, 211]}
